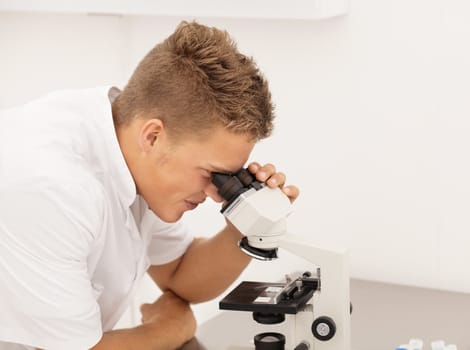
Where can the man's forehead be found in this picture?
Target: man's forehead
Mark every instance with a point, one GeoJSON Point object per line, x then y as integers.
{"type": "Point", "coordinates": [227, 152]}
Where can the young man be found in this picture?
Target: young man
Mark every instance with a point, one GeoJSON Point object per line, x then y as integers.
{"type": "Point", "coordinates": [93, 184]}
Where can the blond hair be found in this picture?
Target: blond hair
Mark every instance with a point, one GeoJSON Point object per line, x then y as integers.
{"type": "Point", "coordinates": [197, 79]}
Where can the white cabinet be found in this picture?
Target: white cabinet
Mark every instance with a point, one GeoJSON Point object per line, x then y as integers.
{"type": "Point", "coordinates": [280, 9]}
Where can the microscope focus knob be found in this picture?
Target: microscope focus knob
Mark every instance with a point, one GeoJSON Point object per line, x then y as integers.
{"type": "Point", "coordinates": [324, 328]}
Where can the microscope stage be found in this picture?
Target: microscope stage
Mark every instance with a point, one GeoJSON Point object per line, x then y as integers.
{"type": "Point", "coordinates": [266, 298]}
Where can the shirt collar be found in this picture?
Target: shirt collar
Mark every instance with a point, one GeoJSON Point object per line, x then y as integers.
{"type": "Point", "coordinates": [123, 178]}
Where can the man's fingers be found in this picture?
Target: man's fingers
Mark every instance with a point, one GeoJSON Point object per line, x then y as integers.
{"type": "Point", "coordinates": [291, 191]}
{"type": "Point", "coordinates": [144, 308]}
{"type": "Point", "coordinates": [277, 179]}
{"type": "Point", "coordinates": [267, 173]}
{"type": "Point", "coordinates": [253, 167]}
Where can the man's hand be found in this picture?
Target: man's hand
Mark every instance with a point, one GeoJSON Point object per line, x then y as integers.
{"type": "Point", "coordinates": [173, 311]}
{"type": "Point", "coordinates": [167, 324]}
{"type": "Point", "coordinates": [267, 173]}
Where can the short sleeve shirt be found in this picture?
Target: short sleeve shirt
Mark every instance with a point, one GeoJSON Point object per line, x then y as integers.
{"type": "Point", "coordinates": [74, 236]}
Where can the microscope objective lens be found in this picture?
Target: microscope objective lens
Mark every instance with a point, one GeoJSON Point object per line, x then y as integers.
{"type": "Point", "coordinates": [269, 341]}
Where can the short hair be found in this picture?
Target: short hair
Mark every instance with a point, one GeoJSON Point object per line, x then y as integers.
{"type": "Point", "coordinates": [197, 79]}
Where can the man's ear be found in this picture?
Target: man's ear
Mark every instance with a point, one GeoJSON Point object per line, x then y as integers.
{"type": "Point", "coordinates": [150, 132]}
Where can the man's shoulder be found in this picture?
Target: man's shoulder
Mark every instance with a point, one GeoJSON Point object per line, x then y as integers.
{"type": "Point", "coordinates": [66, 214]}
{"type": "Point", "coordinates": [77, 197]}
{"type": "Point", "coordinates": [62, 98]}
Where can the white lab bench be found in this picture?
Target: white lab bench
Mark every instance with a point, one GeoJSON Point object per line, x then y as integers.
{"type": "Point", "coordinates": [384, 316]}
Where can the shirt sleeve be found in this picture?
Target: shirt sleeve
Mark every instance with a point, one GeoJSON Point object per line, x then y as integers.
{"type": "Point", "coordinates": [46, 298]}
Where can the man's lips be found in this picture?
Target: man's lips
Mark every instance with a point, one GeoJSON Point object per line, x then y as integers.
{"type": "Point", "coordinates": [192, 204]}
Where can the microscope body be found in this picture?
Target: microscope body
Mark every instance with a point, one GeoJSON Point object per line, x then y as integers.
{"type": "Point", "coordinates": [330, 305]}
{"type": "Point", "coordinates": [321, 315]}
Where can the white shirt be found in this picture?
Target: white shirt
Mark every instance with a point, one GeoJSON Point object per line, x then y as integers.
{"type": "Point", "coordinates": [74, 236]}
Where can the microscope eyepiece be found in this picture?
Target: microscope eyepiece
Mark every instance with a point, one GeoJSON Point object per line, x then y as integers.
{"type": "Point", "coordinates": [245, 177]}
{"type": "Point", "coordinates": [228, 186]}
{"type": "Point", "coordinates": [219, 179]}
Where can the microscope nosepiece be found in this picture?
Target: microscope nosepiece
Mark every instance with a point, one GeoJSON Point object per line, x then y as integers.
{"type": "Point", "coordinates": [260, 254]}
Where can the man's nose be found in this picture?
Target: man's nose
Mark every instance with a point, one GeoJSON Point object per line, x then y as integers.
{"type": "Point", "coordinates": [211, 191]}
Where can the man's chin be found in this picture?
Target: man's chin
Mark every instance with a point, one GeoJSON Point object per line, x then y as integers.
{"type": "Point", "coordinates": [169, 218]}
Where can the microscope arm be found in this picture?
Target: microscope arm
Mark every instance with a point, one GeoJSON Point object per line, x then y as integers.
{"type": "Point", "coordinates": [260, 214]}
{"type": "Point", "coordinates": [332, 300]}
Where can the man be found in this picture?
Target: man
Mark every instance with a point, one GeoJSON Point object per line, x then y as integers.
{"type": "Point", "coordinates": [93, 184]}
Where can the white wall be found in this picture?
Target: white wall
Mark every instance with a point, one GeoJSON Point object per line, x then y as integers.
{"type": "Point", "coordinates": [372, 121]}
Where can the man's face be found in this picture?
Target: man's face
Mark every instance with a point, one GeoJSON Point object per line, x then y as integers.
{"type": "Point", "coordinates": [177, 177]}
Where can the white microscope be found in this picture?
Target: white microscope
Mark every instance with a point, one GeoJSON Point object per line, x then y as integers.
{"type": "Point", "coordinates": [317, 301]}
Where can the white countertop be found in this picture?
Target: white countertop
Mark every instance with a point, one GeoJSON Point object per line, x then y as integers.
{"type": "Point", "coordinates": [384, 316]}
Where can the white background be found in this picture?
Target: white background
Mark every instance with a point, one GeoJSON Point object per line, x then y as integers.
{"type": "Point", "coordinates": [373, 121]}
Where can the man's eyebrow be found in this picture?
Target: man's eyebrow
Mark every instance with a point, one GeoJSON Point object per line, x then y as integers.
{"type": "Point", "coordinates": [216, 169]}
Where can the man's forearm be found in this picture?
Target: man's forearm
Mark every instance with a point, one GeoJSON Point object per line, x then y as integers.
{"type": "Point", "coordinates": [144, 337]}
{"type": "Point", "coordinates": [209, 266]}
{"type": "Point", "coordinates": [167, 324]}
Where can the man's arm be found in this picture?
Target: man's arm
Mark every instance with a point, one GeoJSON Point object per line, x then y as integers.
{"type": "Point", "coordinates": [167, 324]}
{"type": "Point", "coordinates": [206, 269]}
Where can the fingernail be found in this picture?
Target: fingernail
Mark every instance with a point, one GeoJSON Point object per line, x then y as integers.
{"type": "Point", "coordinates": [287, 190]}
{"type": "Point", "coordinates": [261, 175]}
{"type": "Point", "coordinates": [272, 181]}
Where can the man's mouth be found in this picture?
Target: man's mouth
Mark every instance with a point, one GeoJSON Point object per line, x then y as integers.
{"type": "Point", "coordinates": [192, 204]}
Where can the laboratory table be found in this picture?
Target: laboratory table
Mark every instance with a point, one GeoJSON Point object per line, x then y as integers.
{"type": "Point", "coordinates": [384, 316]}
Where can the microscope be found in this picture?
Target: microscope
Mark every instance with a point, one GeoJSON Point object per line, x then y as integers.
{"type": "Point", "coordinates": [317, 302]}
